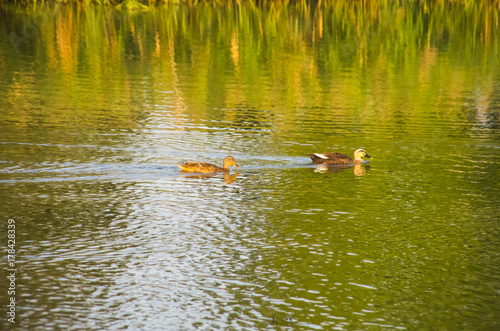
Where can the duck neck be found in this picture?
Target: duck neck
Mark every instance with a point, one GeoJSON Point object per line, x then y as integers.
{"type": "Point", "coordinates": [357, 157]}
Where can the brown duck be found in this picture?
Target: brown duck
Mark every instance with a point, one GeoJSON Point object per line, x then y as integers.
{"type": "Point", "coordinates": [338, 158]}
{"type": "Point", "coordinates": [208, 167]}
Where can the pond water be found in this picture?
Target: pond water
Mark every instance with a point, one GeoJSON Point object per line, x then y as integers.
{"type": "Point", "coordinates": [97, 106]}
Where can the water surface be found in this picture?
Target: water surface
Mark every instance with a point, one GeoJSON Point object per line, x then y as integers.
{"type": "Point", "coordinates": [97, 106]}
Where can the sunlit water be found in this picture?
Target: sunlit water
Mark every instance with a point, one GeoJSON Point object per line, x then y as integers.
{"type": "Point", "coordinates": [110, 235]}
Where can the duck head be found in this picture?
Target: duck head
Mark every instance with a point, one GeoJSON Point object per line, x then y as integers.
{"type": "Point", "coordinates": [359, 153]}
{"type": "Point", "coordinates": [230, 161]}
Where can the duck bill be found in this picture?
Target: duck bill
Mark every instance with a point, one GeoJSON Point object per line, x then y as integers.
{"type": "Point", "coordinates": [237, 166]}
{"type": "Point", "coordinates": [368, 156]}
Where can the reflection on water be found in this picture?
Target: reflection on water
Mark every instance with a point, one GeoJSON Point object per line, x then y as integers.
{"type": "Point", "coordinates": [358, 169]}
{"type": "Point", "coordinates": [228, 178]}
{"type": "Point", "coordinates": [97, 107]}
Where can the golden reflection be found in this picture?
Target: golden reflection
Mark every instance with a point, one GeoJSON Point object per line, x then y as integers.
{"type": "Point", "coordinates": [228, 178]}
{"type": "Point", "coordinates": [234, 50]}
{"type": "Point", "coordinates": [358, 169]}
{"type": "Point", "coordinates": [67, 42]}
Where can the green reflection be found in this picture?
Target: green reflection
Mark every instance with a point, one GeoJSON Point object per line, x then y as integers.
{"type": "Point", "coordinates": [286, 58]}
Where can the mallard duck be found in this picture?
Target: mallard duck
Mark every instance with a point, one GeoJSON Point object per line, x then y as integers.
{"type": "Point", "coordinates": [208, 167]}
{"type": "Point", "coordinates": [338, 158]}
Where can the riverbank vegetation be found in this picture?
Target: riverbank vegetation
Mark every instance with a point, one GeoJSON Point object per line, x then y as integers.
{"type": "Point", "coordinates": [304, 3]}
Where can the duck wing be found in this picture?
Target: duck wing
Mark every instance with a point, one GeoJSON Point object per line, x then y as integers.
{"type": "Point", "coordinates": [198, 164]}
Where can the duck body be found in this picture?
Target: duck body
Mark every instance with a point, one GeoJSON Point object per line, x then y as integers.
{"type": "Point", "coordinates": [338, 158]}
{"type": "Point", "coordinates": [204, 167]}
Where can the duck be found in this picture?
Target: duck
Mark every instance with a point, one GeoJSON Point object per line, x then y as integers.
{"type": "Point", "coordinates": [208, 167]}
{"type": "Point", "coordinates": [338, 158]}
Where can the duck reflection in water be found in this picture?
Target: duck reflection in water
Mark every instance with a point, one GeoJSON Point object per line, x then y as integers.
{"type": "Point", "coordinates": [359, 169]}
{"type": "Point", "coordinates": [228, 178]}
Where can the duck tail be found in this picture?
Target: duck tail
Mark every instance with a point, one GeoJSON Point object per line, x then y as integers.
{"type": "Point", "coordinates": [315, 158]}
